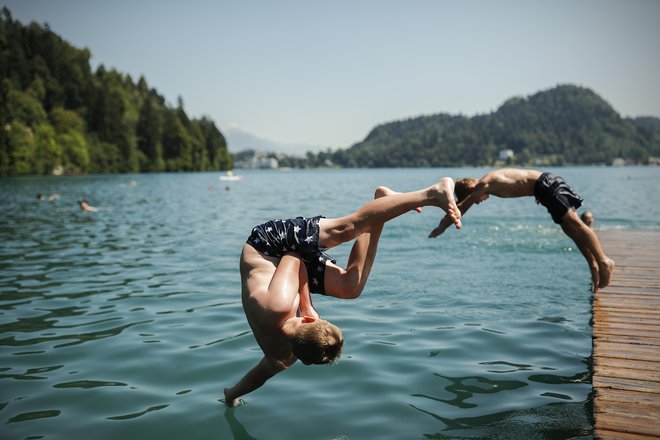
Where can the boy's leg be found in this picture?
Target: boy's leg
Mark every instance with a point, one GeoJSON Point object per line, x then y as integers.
{"type": "Point", "coordinates": [333, 232]}
{"type": "Point", "coordinates": [587, 241]}
{"type": "Point", "coordinates": [593, 267]}
{"type": "Point", "coordinates": [287, 277]}
{"type": "Point", "coordinates": [591, 261]}
{"type": "Point", "coordinates": [349, 283]}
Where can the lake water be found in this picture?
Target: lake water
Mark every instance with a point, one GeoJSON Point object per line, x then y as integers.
{"type": "Point", "coordinates": [127, 323]}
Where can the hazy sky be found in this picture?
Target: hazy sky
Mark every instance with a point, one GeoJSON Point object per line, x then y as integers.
{"type": "Point", "coordinates": [325, 73]}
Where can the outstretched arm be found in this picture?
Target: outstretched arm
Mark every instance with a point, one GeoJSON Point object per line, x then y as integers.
{"type": "Point", "coordinates": [254, 379]}
{"type": "Point", "coordinates": [447, 221]}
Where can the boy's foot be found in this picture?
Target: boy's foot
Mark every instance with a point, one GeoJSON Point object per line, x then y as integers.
{"type": "Point", "coordinates": [605, 273]}
{"type": "Point", "coordinates": [444, 194]}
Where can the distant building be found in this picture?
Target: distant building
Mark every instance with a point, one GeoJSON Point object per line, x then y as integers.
{"type": "Point", "coordinates": [255, 159]}
{"type": "Point", "coordinates": [506, 155]}
{"type": "Point", "coordinates": [266, 163]}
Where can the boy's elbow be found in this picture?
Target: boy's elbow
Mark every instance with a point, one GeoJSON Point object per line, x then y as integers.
{"type": "Point", "coordinates": [348, 293]}
{"type": "Point", "coordinates": [352, 294]}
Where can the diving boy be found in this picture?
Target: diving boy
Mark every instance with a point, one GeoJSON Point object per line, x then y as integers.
{"type": "Point", "coordinates": [283, 260]}
{"type": "Point", "coordinates": [550, 191]}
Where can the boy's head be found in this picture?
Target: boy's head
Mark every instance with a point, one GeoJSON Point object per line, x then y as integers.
{"type": "Point", "coordinates": [317, 342]}
{"type": "Point", "coordinates": [464, 187]}
{"type": "Point", "coordinates": [588, 218]}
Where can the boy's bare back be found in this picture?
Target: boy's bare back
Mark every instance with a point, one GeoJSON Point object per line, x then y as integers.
{"type": "Point", "coordinates": [509, 182]}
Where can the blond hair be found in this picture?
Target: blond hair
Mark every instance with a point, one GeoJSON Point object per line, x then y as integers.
{"type": "Point", "coordinates": [317, 342]}
{"type": "Point", "coordinates": [463, 188]}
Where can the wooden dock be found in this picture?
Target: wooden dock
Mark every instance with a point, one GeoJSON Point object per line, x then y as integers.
{"type": "Point", "coordinates": [626, 341]}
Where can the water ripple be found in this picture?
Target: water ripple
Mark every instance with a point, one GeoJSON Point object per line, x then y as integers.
{"type": "Point", "coordinates": [138, 414]}
{"type": "Point", "coordinates": [129, 320]}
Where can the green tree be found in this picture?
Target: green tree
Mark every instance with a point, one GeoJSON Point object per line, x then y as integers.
{"type": "Point", "coordinates": [70, 135]}
{"type": "Point", "coordinates": [216, 145]}
{"type": "Point", "coordinates": [149, 134]}
{"type": "Point", "coordinates": [21, 148]}
{"type": "Point", "coordinates": [48, 151]}
{"type": "Point", "coordinates": [25, 108]}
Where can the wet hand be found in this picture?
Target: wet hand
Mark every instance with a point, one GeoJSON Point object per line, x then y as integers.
{"type": "Point", "coordinates": [231, 401]}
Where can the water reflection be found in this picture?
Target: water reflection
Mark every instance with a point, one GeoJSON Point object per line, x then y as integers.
{"type": "Point", "coordinates": [238, 431]}
{"type": "Point", "coordinates": [138, 414]}
{"type": "Point", "coordinates": [516, 367]}
{"type": "Point", "coordinates": [464, 388]}
{"type": "Point", "coordinates": [553, 421]}
{"type": "Point", "coordinates": [87, 384]}
{"type": "Point", "coordinates": [34, 415]}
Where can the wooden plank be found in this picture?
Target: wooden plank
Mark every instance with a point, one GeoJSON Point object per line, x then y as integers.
{"type": "Point", "coordinates": [638, 348]}
{"type": "Point", "coordinates": [604, 434]}
{"type": "Point", "coordinates": [641, 295]}
{"type": "Point", "coordinates": [630, 303]}
{"type": "Point", "coordinates": [626, 339]}
{"type": "Point", "coordinates": [613, 294]}
{"type": "Point", "coordinates": [628, 396]}
{"type": "Point", "coordinates": [641, 386]}
{"type": "Point", "coordinates": [600, 331]}
{"type": "Point", "coordinates": [604, 310]}
{"type": "Point", "coordinates": [644, 326]}
{"type": "Point", "coordinates": [641, 365]}
{"type": "Point", "coordinates": [636, 410]}
{"type": "Point", "coordinates": [625, 424]}
{"type": "Point", "coordinates": [627, 316]}
{"type": "Point", "coordinates": [616, 395]}
{"type": "Point", "coordinates": [629, 354]}
{"type": "Point", "coordinates": [628, 371]}
{"type": "Point", "coordinates": [620, 321]}
{"type": "Point", "coordinates": [631, 339]}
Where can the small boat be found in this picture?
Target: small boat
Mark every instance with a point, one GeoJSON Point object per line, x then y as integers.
{"type": "Point", "coordinates": [230, 176]}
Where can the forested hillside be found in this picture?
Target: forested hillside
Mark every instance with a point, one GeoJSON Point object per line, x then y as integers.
{"type": "Point", "coordinates": [57, 113]}
{"type": "Point", "coordinates": [566, 125]}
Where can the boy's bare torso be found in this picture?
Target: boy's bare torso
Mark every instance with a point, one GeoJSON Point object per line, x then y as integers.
{"type": "Point", "coordinates": [265, 312]}
{"type": "Point", "coordinates": [509, 182]}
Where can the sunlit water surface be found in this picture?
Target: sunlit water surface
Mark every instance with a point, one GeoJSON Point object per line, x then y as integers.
{"type": "Point", "coordinates": [127, 322]}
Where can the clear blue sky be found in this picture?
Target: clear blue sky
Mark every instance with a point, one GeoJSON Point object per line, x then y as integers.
{"type": "Point", "coordinates": [325, 73]}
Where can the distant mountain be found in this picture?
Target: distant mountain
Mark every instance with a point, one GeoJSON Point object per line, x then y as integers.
{"type": "Point", "coordinates": [239, 140]}
{"type": "Point", "coordinates": [563, 125]}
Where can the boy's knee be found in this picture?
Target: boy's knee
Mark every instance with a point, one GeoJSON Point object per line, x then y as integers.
{"type": "Point", "coordinates": [571, 222]}
{"type": "Point", "coordinates": [351, 286]}
{"type": "Point", "coordinates": [380, 192]}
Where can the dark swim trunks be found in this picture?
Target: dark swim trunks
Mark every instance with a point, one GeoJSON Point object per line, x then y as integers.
{"type": "Point", "coordinates": [301, 235]}
{"type": "Point", "coordinates": [554, 193]}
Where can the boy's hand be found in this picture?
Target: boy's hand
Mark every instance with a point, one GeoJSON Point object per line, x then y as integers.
{"type": "Point", "coordinates": [231, 401]}
{"type": "Point", "coordinates": [437, 231]}
{"type": "Point", "coordinates": [442, 227]}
